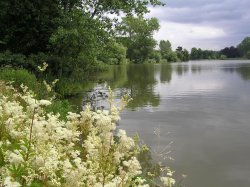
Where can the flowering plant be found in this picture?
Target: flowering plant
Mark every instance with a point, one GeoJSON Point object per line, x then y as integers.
{"type": "Point", "coordinates": [39, 149]}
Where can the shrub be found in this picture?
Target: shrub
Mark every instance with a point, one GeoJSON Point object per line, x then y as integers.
{"type": "Point", "coordinates": [22, 76]}
{"type": "Point", "coordinates": [18, 77]}
{"type": "Point", "coordinates": [14, 60]}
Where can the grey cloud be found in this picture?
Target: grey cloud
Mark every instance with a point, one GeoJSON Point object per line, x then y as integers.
{"type": "Point", "coordinates": [233, 16]}
{"type": "Point", "coordinates": [207, 12]}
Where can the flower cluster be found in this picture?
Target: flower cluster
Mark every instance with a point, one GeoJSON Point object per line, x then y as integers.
{"type": "Point", "coordinates": [39, 149]}
{"type": "Point", "coordinates": [43, 68]}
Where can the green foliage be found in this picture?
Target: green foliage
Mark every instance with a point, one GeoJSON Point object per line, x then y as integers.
{"type": "Point", "coordinates": [248, 54]}
{"type": "Point", "coordinates": [18, 77]}
{"type": "Point", "coordinates": [30, 62]}
{"type": "Point", "coordinates": [73, 34]}
{"type": "Point", "coordinates": [155, 57]}
{"type": "Point", "coordinates": [165, 48]}
{"type": "Point", "coordinates": [23, 76]}
{"type": "Point", "coordinates": [114, 53]}
{"type": "Point", "coordinates": [61, 107]}
{"type": "Point", "coordinates": [99, 9]}
{"type": "Point", "coordinates": [138, 37]}
{"type": "Point", "coordinates": [25, 26]}
{"type": "Point", "coordinates": [172, 57]}
{"type": "Point", "coordinates": [244, 46]}
{"type": "Point", "coordinates": [183, 55]}
{"type": "Point", "coordinates": [230, 52]}
{"type": "Point", "coordinates": [197, 54]}
{"type": "Point", "coordinates": [15, 60]}
{"type": "Point", "coordinates": [78, 33]}
{"type": "Point", "coordinates": [194, 54]}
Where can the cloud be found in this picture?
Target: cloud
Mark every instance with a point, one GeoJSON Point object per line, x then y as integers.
{"type": "Point", "coordinates": [189, 35]}
{"type": "Point", "coordinates": [207, 24]}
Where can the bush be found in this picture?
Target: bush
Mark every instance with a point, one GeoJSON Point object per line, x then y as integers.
{"type": "Point", "coordinates": [15, 60]}
{"type": "Point", "coordinates": [19, 76]}
{"type": "Point", "coordinates": [22, 76]}
{"type": "Point", "coordinates": [21, 61]}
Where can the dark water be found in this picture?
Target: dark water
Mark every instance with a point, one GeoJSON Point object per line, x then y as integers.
{"type": "Point", "coordinates": [202, 106]}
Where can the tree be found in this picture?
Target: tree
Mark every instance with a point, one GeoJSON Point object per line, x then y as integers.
{"type": "Point", "coordinates": [248, 55]}
{"type": "Point", "coordinates": [138, 37]}
{"type": "Point", "coordinates": [185, 55]}
{"type": "Point", "coordinates": [231, 52]}
{"type": "Point", "coordinates": [244, 46]}
{"type": "Point", "coordinates": [78, 42]}
{"type": "Point", "coordinates": [114, 53]}
{"type": "Point", "coordinates": [199, 54]}
{"type": "Point", "coordinates": [155, 56]}
{"type": "Point", "coordinates": [194, 53]}
{"type": "Point", "coordinates": [179, 48]}
{"type": "Point", "coordinates": [182, 54]}
{"type": "Point", "coordinates": [100, 9]}
{"type": "Point", "coordinates": [26, 25]}
{"type": "Point", "coordinates": [75, 33]}
{"type": "Point", "coordinates": [172, 57]}
{"type": "Point", "coordinates": [165, 47]}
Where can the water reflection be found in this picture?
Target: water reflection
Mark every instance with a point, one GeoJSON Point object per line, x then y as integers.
{"type": "Point", "coordinates": [241, 69]}
{"type": "Point", "coordinates": [181, 69]}
{"type": "Point", "coordinates": [139, 81]}
{"type": "Point", "coordinates": [244, 72]}
{"type": "Point", "coordinates": [165, 73]}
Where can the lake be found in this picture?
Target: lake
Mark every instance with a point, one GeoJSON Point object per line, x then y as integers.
{"type": "Point", "coordinates": [203, 107]}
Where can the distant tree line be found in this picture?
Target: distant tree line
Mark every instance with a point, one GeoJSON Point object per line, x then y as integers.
{"type": "Point", "coordinates": [241, 51]}
{"type": "Point", "coordinates": [165, 52]}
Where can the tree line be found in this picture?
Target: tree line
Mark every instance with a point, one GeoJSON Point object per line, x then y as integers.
{"type": "Point", "coordinates": [74, 35]}
{"type": "Point", "coordinates": [242, 50]}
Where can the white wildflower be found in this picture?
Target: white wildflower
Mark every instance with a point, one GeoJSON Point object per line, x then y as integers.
{"type": "Point", "coordinates": [125, 141]}
{"type": "Point", "coordinates": [168, 181]}
{"type": "Point", "coordinates": [54, 82]}
{"type": "Point", "coordinates": [133, 166]}
{"type": "Point", "coordinates": [15, 157]}
{"type": "Point", "coordinates": [8, 182]}
{"type": "Point", "coordinates": [44, 103]}
{"type": "Point", "coordinates": [48, 87]}
{"type": "Point", "coordinates": [43, 68]}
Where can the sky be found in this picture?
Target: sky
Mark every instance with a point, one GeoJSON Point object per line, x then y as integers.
{"type": "Point", "coordinates": [208, 24]}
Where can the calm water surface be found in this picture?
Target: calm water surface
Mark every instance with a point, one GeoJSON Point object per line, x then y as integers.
{"type": "Point", "coordinates": [202, 106]}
